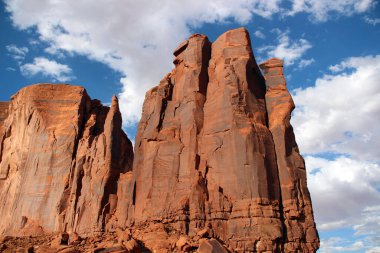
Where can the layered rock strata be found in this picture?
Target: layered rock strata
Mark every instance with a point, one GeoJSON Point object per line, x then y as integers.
{"type": "Point", "coordinates": [61, 155]}
{"type": "Point", "coordinates": [215, 150]}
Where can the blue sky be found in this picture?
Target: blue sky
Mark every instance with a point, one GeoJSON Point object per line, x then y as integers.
{"type": "Point", "coordinates": [332, 64]}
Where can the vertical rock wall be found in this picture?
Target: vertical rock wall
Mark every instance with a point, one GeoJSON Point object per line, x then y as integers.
{"type": "Point", "coordinates": [60, 157]}
{"type": "Point", "coordinates": [300, 231]}
{"type": "Point", "coordinates": [215, 156]}
{"type": "Point", "coordinates": [3, 113]}
{"type": "Point", "coordinates": [237, 151]}
{"type": "Point", "coordinates": [167, 156]}
{"type": "Point", "coordinates": [215, 150]}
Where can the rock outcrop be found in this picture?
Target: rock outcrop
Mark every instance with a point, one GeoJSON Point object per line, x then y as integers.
{"type": "Point", "coordinates": [216, 165]}
{"type": "Point", "coordinates": [300, 233]}
{"type": "Point", "coordinates": [61, 155]}
{"type": "Point", "coordinates": [215, 150]}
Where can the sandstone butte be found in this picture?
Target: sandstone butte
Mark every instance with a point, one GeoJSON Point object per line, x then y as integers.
{"type": "Point", "coordinates": [215, 167]}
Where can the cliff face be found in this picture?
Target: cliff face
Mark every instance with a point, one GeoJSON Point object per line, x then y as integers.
{"type": "Point", "coordinates": [61, 154]}
{"type": "Point", "coordinates": [3, 113]}
{"type": "Point", "coordinates": [215, 150]}
{"type": "Point", "coordinates": [215, 157]}
{"type": "Point", "coordinates": [296, 203]}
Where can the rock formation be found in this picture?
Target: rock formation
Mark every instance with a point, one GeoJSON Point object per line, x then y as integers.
{"type": "Point", "coordinates": [215, 150]}
{"type": "Point", "coordinates": [61, 154]}
{"type": "Point", "coordinates": [297, 211]}
{"type": "Point", "coordinates": [3, 113]}
{"type": "Point", "coordinates": [216, 165]}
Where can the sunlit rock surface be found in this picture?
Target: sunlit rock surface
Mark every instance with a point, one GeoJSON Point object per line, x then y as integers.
{"type": "Point", "coordinates": [61, 155]}
{"type": "Point", "coordinates": [216, 165]}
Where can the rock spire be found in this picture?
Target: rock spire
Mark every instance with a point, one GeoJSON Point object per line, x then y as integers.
{"type": "Point", "coordinates": [216, 167]}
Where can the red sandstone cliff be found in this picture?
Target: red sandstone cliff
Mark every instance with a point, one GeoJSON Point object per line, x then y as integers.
{"type": "Point", "coordinates": [216, 165]}
{"type": "Point", "coordinates": [297, 211]}
{"type": "Point", "coordinates": [215, 150]}
{"type": "Point", "coordinates": [61, 154]}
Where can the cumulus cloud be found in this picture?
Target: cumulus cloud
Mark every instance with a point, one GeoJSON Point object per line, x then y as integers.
{"type": "Point", "coordinates": [17, 53]}
{"type": "Point", "coordinates": [336, 124]}
{"type": "Point", "coordinates": [344, 191]}
{"type": "Point", "coordinates": [137, 38]}
{"type": "Point", "coordinates": [370, 225]}
{"type": "Point", "coordinates": [322, 10]}
{"type": "Point", "coordinates": [340, 113]}
{"type": "Point", "coordinates": [48, 68]}
{"type": "Point", "coordinates": [287, 49]}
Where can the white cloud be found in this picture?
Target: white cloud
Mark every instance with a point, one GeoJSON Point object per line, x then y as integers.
{"type": "Point", "coordinates": [372, 21]}
{"type": "Point", "coordinates": [289, 50]}
{"type": "Point", "coordinates": [322, 10]}
{"type": "Point", "coordinates": [277, 31]}
{"type": "Point", "coordinates": [10, 69]}
{"type": "Point", "coordinates": [345, 194]}
{"type": "Point", "coordinates": [138, 37]}
{"type": "Point", "coordinates": [47, 68]}
{"type": "Point", "coordinates": [336, 124]}
{"type": "Point", "coordinates": [259, 34]}
{"type": "Point", "coordinates": [375, 249]}
{"type": "Point", "coordinates": [17, 53]}
{"type": "Point", "coordinates": [334, 244]}
{"type": "Point", "coordinates": [305, 62]}
{"type": "Point", "coordinates": [340, 113]}
{"type": "Point", "coordinates": [342, 191]}
{"type": "Point", "coordinates": [370, 225]}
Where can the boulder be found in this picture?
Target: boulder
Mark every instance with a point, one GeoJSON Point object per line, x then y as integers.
{"type": "Point", "coordinates": [211, 246]}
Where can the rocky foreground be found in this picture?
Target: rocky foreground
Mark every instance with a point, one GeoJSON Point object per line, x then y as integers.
{"type": "Point", "coordinates": [216, 167]}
